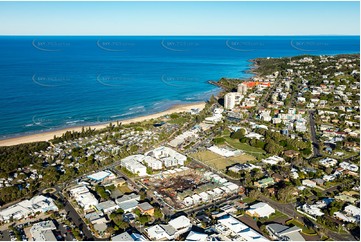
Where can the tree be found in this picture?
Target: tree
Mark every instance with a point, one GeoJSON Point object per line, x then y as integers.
{"type": "Point", "coordinates": [286, 194]}
{"type": "Point", "coordinates": [238, 134]}
{"type": "Point", "coordinates": [254, 194]}
{"type": "Point", "coordinates": [158, 213]}
{"type": "Point", "coordinates": [143, 219]}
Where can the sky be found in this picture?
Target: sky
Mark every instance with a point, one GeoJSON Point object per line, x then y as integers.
{"type": "Point", "coordinates": [179, 18]}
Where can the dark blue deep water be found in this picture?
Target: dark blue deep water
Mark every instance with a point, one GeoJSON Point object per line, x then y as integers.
{"type": "Point", "coordinates": [49, 83]}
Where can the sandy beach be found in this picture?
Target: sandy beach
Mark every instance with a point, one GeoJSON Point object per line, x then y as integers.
{"type": "Point", "coordinates": [45, 136]}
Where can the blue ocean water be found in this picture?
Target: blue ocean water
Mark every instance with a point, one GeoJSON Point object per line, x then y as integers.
{"type": "Point", "coordinates": [50, 83]}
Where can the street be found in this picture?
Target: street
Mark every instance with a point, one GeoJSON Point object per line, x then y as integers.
{"type": "Point", "coordinates": [315, 144]}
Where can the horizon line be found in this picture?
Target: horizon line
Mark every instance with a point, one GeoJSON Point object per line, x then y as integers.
{"type": "Point", "coordinates": [111, 35]}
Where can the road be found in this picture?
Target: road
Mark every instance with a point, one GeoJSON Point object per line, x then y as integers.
{"type": "Point", "coordinates": [74, 216]}
{"type": "Point", "coordinates": [206, 206]}
{"type": "Point", "coordinates": [315, 144]}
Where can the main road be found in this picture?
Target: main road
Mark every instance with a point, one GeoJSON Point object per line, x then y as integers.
{"type": "Point", "coordinates": [315, 143]}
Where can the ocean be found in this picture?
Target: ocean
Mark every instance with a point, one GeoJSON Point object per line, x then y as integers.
{"type": "Point", "coordinates": [49, 83]}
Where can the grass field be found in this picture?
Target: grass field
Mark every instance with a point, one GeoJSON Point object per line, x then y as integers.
{"type": "Point", "coordinates": [301, 225]}
{"type": "Point", "coordinates": [124, 189]}
{"type": "Point", "coordinates": [256, 152]}
{"type": "Point", "coordinates": [219, 162]}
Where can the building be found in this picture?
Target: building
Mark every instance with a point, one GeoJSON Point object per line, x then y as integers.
{"type": "Point", "coordinates": [101, 175]}
{"type": "Point", "coordinates": [352, 210]}
{"type": "Point", "coordinates": [43, 231]}
{"type": "Point", "coordinates": [328, 162]}
{"type": "Point", "coordinates": [182, 138]}
{"type": "Point", "coordinates": [181, 224]}
{"type": "Point", "coordinates": [224, 152]}
{"type": "Point", "coordinates": [242, 89]}
{"type": "Point", "coordinates": [291, 153]}
{"type": "Point", "coordinates": [265, 182]}
{"type": "Point", "coordinates": [83, 197]}
{"type": "Point", "coordinates": [128, 237]}
{"type": "Point", "coordinates": [128, 202]}
{"type": "Point", "coordinates": [27, 208]}
{"type": "Point", "coordinates": [196, 236]}
{"type": "Point", "coordinates": [229, 226]}
{"type": "Point", "coordinates": [230, 100]}
{"type": "Point", "coordinates": [157, 233]}
{"type": "Point", "coordinates": [273, 160]}
{"type": "Point", "coordinates": [132, 164]}
{"type": "Point", "coordinates": [309, 183]}
{"type": "Point", "coordinates": [146, 208]}
{"type": "Point", "coordinates": [107, 206]}
{"type": "Point", "coordinates": [284, 233]}
{"type": "Point", "coordinates": [168, 156]}
{"type": "Point", "coordinates": [153, 163]}
{"type": "Point", "coordinates": [312, 210]}
{"type": "Point", "coordinates": [96, 217]}
{"type": "Point", "coordinates": [260, 210]}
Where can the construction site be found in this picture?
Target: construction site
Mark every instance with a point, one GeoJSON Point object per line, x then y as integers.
{"type": "Point", "coordinates": [177, 187]}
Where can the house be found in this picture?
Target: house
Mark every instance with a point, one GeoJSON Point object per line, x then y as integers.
{"type": "Point", "coordinates": [284, 233]}
{"type": "Point", "coordinates": [128, 202]}
{"type": "Point", "coordinates": [181, 224]}
{"type": "Point", "coordinates": [328, 162]}
{"type": "Point", "coordinates": [291, 153]}
{"type": "Point", "coordinates": [260, 210]}
{"type": "Point", "coordinates": [346, 198]}
{"type": "Point", "coordinates": [277, 177]}
{"type": "Point", "coordinates": [312, 210]}
{"type": "Point", "coordinates": [43, 231]}
{"type": "Point", "coordinates": [228, 225]}
{"type": "Point", "coordinates": [343, 217]}
{"type": "Point", "coordinates": [107, 206]}
{"type": "Point", "coordinates": [25, 208]}
{"type": "Point", "coordinates": [95, 217]}
{"type": "Point", "coordinates": [146, 208]}
{"type": "Point", "coordinates": [157, 233]}
{"type": "Point", "coordinates": [309, 183]}
{"type": "Point", "coordinates": [196, 236]}
{"type": "Point", "coordinates": [265, 182]}
{"type": "Point", "coordinates": [170, 231]}
{"type": "Point", "coordinates": [128, 237]}
{"type": "Point", "coordinates": [352, 210]}
{"type": "Point", "coordinates": [273, 160]}
{"type": "Point", "coordinates": [188, 201]}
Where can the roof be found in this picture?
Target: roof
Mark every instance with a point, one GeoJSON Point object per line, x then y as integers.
{"type": "Point", "coordinates": [262, 209]}
{"type": "Point", "coordinates": [352, 210]}
{"type": "Point", "coordinates": [122, 237]}
{"type": "Point", "coordinates": [196, 236]}
{"type": "Point", "coordinates": [99, 175]}
{"type": "Point", "coordinates": [128, 197]}
{"type": "Point", "coordinates": [128, 205]}
{"type": "Point", "coordinates": [101, 227]}
{"type": "Point", "coordinates": [180, 222]}
{"type": "Point", "coordinates": [42, 231]}
{"type": "Point", "coordinates": [145, 206]}
{"type": "Point", "coordinates": [240, 228]}
{"type": "Point", "coordinates": [170, 230]}
{"type": "Point", "coordinates": [106, 204]}
{"type": "Point", "coordinates": [156, 232]}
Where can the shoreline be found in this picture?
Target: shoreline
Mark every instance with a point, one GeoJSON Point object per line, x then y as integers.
{"type": "Point", "coordinates": [48, 135]}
